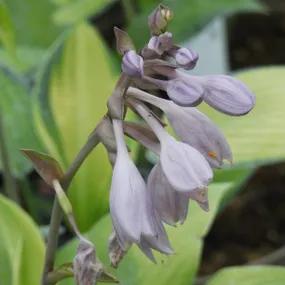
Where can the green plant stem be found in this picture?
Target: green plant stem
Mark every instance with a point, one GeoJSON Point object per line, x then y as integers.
{"type": "Point", "coordinates": [57, 214]}
{"type": "Point", "coordinates": [129, 9]}
{"type": "Point", "coordinates": [55, 277]}
{"type": "Point", "coordinates": [10, 185]}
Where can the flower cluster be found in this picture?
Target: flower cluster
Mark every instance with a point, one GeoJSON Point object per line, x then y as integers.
{"type": "Point", "coordinates": [184, 169]}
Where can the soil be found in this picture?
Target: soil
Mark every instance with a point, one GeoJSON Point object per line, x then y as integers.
{"type": "Point", "coordinates": [250, 226]}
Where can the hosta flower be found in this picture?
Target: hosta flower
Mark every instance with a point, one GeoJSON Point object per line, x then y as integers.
{"type": "Point", "coordinates": [171, 206]}
{"type": "Point", "coordinates": [132, 64]}
{"type": "Point", "coordinates": [228, 95]}
{"type": "Point", "coordinates": [192, 127]}
{"type": "Point", "coordinates": [184, 167]}
{"type": "Point", "coordinates": [128, 196]}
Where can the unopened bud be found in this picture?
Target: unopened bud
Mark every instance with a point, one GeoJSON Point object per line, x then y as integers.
{"type": "Point", "coordinates": [132, 64]}
{"type": "Point", "coordinates": [186, 58]}
{"type": "Point", "coordinates": [159, 19]}
{"type": "Point", "coordinates": [161, 43]}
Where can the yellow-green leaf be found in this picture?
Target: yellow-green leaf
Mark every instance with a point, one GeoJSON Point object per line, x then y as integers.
{"type": "Point", "coordinates": [249, 275]}
{"type": "Point", "coordinates": [73, 94]}
{"type": "Point", "coordinates": [21, 246]}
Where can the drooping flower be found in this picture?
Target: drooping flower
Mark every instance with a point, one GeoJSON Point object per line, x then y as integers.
{"type": "Point", "coordinates": [171, 206]}
{"type": "Point", "coordinates": [192, 127]}
{"type": "Point", "coordinates": [184, 167]}
{"type": "Point", "coordinates": [128, 196]}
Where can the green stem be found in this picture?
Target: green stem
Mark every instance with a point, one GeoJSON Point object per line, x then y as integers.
{"type": "Point", "coordinates": [56, 215]}
{"type": "Point", "coordinates": [10, 185]}
{"type": "Point", "coordinates": [129, 10]}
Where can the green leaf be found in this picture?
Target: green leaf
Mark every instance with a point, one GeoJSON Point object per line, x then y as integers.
{"type": "Point", "coordinates": [180, 267]}
{"type": "Point", "coordinates": [33, 22]}
{"type": "Point", "coordinates": [21, 247]}
{"type": "Point", "coordinates": [73, 92]}
{"type": "Point", "coordinates": [260, 135]}
{"type": "Point", "coordinates": [16, 110]}
{"type": "Point", "coordinates": [7, 36]}
{"type": "Point", "coordinates": [79, 10]}
{"type": "Point", "coordinates": [249, 275]}
{"type": "Point", "coordinates": [189, 16]}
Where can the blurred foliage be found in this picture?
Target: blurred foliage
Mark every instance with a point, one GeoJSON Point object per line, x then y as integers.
{"type": "Point", "coordinates": [21, 246]}
{"type": "Point", "coordinates": [249, 275]}
{"type": "Point", "coordinates": [73, 92]}
{"type": "Point", "coordinates": [186, 240]}
{"type": "Point", "coordinates": [189, 16]}
{"type": "Point", "coordinates": [7, 36]}
{"type": "Point", "coordinates": [32, 22]}
{"type": "Point", "coordinates": [76, 11]}
{"type": "Point", "coordinates": [15, 107]}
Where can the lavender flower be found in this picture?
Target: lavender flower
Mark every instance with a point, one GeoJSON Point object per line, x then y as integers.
{"type": "Point", "coordinates": [161, 43]}
{"type": "Point", "coordinates": [228, 95]}
{"type": "Point", "coordinates": [192, 127]}
{"type": "Point", "coordinates": [132, 64]}
{"type": "Point", "coordinates": [171, 206]}
{"type": "Point", "coordinates": [184, 167]}
{"type": "Point", "coordinates": [128, 196]}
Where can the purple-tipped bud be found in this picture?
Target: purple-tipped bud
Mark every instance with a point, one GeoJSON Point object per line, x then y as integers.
{"type": "Point", "coordinates": [161, 43]}
{"type": "Point", "coordinates": [228, 95]}
{"type": "Point", "coordinates": [171, 206]}
{"type": "Point", "coordinates": [185, 92]}
{"type": "Point", "coordinates": [132, 64]}
{"type": "Point", "coordinates": [159, 19]}
{"type": "Point", "coordinates": [186, 58]}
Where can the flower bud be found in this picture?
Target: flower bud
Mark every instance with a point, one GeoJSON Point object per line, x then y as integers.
{"type": "Point", "coordinates": [228, 95]}
{"type": "Point", "coordinates": [161, 43]}
{"type": "Point", "coordinates": [132, 64]}
{"type": "Point", "coordinates": [159, 19]}
{"type": "Point", "coordinates": [186, 58]}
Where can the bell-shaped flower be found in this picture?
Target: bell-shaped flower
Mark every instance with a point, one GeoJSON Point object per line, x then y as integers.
{"type": "Point", "coordinates": [132, 64]}
{"type": "Point", "coordinates": [185, 168]}
{"type": "Point", "coordinates": [170, 205]}
{"type": "Point", "coordinates": [192, 127]}
{"type": "Point", "coordinates": [228, 95]}
{"type": "Point", "coordinates": [184, 57]}
{"type": "Point", "coordinates": [128, 196]}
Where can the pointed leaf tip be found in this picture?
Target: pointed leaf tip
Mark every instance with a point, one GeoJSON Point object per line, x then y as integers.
{"type": "Point", "coordinates": [46, 166]}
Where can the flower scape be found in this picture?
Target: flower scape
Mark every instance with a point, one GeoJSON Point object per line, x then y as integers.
{"type": "Point", "coordinates": [139, 208]}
